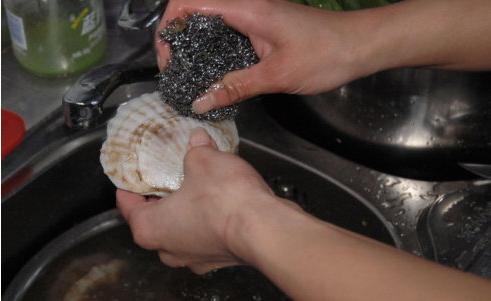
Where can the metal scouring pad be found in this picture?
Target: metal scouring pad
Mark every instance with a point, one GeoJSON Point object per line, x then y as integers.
{"type": "Point", "coordinates": [203, 49]}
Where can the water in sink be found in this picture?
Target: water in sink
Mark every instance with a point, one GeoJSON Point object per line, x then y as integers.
{"type": "Point", "coordinates": [110, 267]}
{"type": "Point", "coordinates": [83, 191]}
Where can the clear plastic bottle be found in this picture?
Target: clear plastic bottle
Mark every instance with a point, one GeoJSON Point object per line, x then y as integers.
{"type": "Point", "coordinates": [57, 37]}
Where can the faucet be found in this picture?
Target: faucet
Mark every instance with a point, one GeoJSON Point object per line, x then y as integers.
{"type": "Point", "coordinates": [83, 103]}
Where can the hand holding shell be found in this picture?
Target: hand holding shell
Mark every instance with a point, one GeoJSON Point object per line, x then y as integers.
{"type": "Point", "coordinates": [146, 144]}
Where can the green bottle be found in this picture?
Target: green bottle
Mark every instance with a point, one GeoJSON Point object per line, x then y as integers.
{"type": "Point", "coordinates": [57, 37]}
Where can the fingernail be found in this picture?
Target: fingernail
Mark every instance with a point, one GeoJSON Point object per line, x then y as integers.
{"type": "Point", "coordinates": [159, 63]}
{"type": "Point", "coordinates": [204, 103]}
{"type": "Point", "coordinates": [199, 137]}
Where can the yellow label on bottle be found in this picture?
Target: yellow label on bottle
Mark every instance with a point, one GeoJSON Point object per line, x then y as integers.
{"type": "Point", "coordinates": [78, 20]}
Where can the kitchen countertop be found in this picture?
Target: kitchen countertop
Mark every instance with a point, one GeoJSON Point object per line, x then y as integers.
{"type": "Point", "coordinates": [34, 97]}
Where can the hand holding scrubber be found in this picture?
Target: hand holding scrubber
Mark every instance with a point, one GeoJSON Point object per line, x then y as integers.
{"type": "Point", "coordinates": [203, 49]}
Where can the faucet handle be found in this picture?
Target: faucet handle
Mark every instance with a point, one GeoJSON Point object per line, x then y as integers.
{"type": "Point", "coordinates": [83, 102]}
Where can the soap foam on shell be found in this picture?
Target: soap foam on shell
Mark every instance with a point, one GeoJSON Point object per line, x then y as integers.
{"type": "Point", "coordinates": [203, 49]}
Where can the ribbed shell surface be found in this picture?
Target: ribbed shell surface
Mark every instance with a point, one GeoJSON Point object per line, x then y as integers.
{"type": "Point", "coordinates": [146, 144]}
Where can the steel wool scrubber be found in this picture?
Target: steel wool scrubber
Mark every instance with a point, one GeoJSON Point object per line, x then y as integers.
{"type": "Point", "coordinates": [203, 49]}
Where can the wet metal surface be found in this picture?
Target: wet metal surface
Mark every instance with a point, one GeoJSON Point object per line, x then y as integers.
{"type": "Point", "coordinates": [416, 123]}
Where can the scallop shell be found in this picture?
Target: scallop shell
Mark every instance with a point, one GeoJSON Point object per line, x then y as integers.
{"type": "Point", "coordinates": [146, 144]}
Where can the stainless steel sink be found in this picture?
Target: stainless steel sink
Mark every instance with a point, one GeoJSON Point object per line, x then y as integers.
{"type": "Point", "coordinates": [54, 181]}
{"type": "Point", "coordinates": [415, 122]}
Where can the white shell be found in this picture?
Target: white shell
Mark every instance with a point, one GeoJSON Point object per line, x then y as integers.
{"type": "Point", "coordinates": [146, 144]}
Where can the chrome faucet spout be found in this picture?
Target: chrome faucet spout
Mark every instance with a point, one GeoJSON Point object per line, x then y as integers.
{"type": "Point", "coordinates": [83, 103]}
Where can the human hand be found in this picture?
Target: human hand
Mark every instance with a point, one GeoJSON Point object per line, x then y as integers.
{"type": "Point", "coordinates": [302, 50]}
{"type": "Point", "coordinates": [190, 226]}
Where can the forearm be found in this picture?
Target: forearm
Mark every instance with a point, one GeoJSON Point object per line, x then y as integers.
{"type": "Point", "coordinates": [313, 260]}
{"type": "Point", "coordinates": [451, 34]}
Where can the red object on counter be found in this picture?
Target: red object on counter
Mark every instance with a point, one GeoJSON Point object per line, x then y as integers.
{"type": "Point", "coordinates": [13, 130]}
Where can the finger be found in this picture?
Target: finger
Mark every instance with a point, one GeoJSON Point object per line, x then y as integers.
{"type": "Point", "coordinates": [203, 268]}
{"type": "Point", "coordinates": [200, 137]}
{"type": "Point", "coordinates": [171, 260]}
{"type": "Point", "coordinates": [152, 198]}
{"type": "Point", "coordinates": [173, 10]}
{"type": "Point", "coordinates": [128, 201]}
{"type": "Point", "coordinates": [232, 13]}
{"type": "Point", "coordinates": [235, 87]}
{"type": "Point", "coordinates": [202, 152]}
{"type": "Point", "coordinates": [293, 205]}
{"type": "Point", "coordinates": [163, 54]}
{"type": "Point", "coordinates": [147, 224]}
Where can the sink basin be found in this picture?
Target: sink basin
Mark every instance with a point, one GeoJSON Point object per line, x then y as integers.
{"type": "Point", "coordinates": [62, 184]}
{"type": "Point", "coordinates": [98, 260]}
{"type": "Point", "coordinates": [74, 188]}
{"type": "Point", "coordinates": [54, 182]}
{"type": "Point", "coordinates": [414, 123]}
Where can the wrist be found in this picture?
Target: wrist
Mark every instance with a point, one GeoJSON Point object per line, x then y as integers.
{"type": "Point", "coordinates": [381, 38]}
{"type": "Point", "coordinates": [244, 225]}
{"type": "Point", "coordinates": [408, 34]}
{"type": "Point", "coordinates": [359, 44]}
{"type": "Point", "coordinates": [256, 232]}
{"type": "Point", "coordinates": [370, 42]}
{"type": "Point", "coordinates": [245, 228]}
{"type": "Point", "coordinates": [387, 38]}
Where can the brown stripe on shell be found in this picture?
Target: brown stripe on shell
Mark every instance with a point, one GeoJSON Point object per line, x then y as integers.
{"type": "Point", "coordinates": [127, 132]}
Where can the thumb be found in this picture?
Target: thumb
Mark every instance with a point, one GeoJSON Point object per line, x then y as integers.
{"type": "Point", "coordinates": [200, 137]}
{"type": "Point", "coordinates": [201, 148]}
{"type": "Point", "coordinates": [234, 87]}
